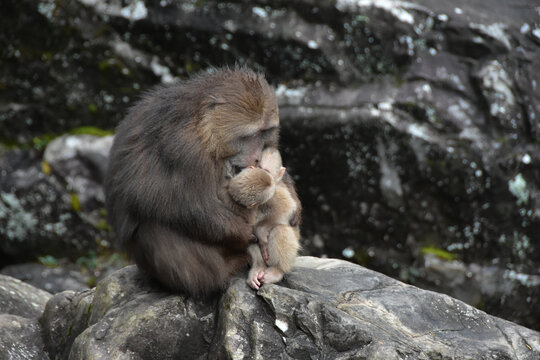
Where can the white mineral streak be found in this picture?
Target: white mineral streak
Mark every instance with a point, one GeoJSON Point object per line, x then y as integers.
{"type": "Point", "coordinates": [419, 131]}
{"type": "Point", "coordinates": [282, 325]}
{"type": "Point", "coordinates": [395, 7]}
{"type": "Point", "coordinates": [135, 10]}
{"type": "Point", "coordinates": [495, 79]}
{"type": "Point", "coordinates": [260, 12]}
{"type": "Point", "coordinates": [161, 70]}
{"type": "Point", "coordinates": [495, 31]}
{"type": "Point", "coordinates": [518, 188]}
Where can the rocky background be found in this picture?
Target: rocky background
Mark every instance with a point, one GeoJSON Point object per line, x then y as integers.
{"type": "Point", "coordinates": [309, 315]}
{"type": "Point", "coordinates": [411, 128]}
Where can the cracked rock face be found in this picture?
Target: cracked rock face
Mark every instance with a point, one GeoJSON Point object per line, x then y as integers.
{"type": "Point", "coordinates": [410, 126]}
{"type": "Point", "coordinates": [325, 308]}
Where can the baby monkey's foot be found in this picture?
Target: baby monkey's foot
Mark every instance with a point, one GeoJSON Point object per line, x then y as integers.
{"type": "Point", "coordinates": [272, 275]}
{"type": "Point", "coordinates": [255, 276]}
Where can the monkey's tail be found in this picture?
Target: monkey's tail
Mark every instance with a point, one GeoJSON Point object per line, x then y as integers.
{"type": "Point", "coordinates": [181, 264]}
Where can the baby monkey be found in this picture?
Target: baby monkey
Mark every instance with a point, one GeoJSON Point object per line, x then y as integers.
{"type": "Point", "coordinates": [263, 190]}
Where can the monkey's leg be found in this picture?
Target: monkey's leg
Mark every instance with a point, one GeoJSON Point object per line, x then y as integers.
{"type": "Point", "coordinates": [194, 268]}
{"type": "Point", "coordinates": [282, 250]}
{"type": "Point", "coordinates": [257, 267]}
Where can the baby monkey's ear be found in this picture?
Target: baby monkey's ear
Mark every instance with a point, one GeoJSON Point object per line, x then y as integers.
{"type": "Point", "coordinates": [281, 173]}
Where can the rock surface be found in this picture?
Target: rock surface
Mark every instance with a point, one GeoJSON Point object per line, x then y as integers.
{"type": "Point", "coordinates": [20, 306]}
{"type": "Point", "coordinates": [51, 279]}
{"type": "Point", "coordinates": [45, 211]}
{"type": "Point", "coordinates": [19, 298]}
{"type": "Point", "coordinates": [323, 309]}
{"type": "Point", "coordinates": [411, 127]}
{"type": "Point", "coordinates": [20, 339]}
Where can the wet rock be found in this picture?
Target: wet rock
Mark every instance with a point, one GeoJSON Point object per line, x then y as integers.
{"type": "Point", "coordinates": [309, 315]}
{"type": "Point", "coordinates": [18, 298]}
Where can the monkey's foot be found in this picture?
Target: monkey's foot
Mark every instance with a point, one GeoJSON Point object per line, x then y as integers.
{"type": "Point", "coordinates": [272, 275]}
{"type": "Point", "coordinates": [255, 276]}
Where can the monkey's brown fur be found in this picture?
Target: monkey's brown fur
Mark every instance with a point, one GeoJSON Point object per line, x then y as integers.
{"type": "Point", "coordinates": [168, 173]}
{"type": "Point", "coordinates": [274, 218]}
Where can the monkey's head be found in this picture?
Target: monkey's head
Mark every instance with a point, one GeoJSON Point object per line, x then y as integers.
{"type": "Point", "coordinates": [252, 186]}
{"type": "Point", "coordinates": [271, 162]}
{"type": "Point", "coordinates": [240, 118]}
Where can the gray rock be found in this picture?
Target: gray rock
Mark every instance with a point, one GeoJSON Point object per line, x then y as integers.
{"type": "Point", "coordinates": [81, 160]}
{"type": "Point", "coordinates": [51, 279]}
{"type": "Point", "coordinates": [408, 124]}
{"type": "Point", "coordinates": [126, 315]}
{"type": "Point", "coordinates": [20, 339]}
{"type": "Point", "coordinates": [41, 214]}
{"type": "Point", "coordinates": [64, 318]}
{"type": "Point", "coordinates": [323, 309]}
{"type": "Point", "coordinates": [18, 298]}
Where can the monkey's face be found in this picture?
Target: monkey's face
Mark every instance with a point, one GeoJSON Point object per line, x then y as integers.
{"type": "Point", "coordinates": [271, 162]}
{"type": "Point", "coordinates": [246, 148]}
{"type": "Point", "coordinates": [240, 123]}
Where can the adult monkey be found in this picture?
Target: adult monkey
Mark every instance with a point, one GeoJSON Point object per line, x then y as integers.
{"type": "Point", "coordinates": [168, 172]}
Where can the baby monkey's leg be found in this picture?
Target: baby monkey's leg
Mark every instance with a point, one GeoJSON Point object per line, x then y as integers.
{"type": "Point", "coordinates": [283, 247]}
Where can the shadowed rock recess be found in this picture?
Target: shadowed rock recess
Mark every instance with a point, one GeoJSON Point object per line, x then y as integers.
{"type": "Point", "coordinates": [324, 309]}
{"type": "Point", "coordinates": [412, 128]}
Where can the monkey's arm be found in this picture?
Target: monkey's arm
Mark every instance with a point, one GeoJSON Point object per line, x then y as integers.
{"type": "Point", "coordinates": [189, 204]}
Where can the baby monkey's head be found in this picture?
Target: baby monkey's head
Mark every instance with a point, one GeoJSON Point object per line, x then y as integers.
{"type": "Point", "coordinates": [252, 186]}
{"type": "Point", "coordinates": [256, 185]}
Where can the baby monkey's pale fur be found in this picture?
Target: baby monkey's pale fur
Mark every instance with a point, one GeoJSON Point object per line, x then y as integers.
{"type": "Point", "coordinates": [273, 210]}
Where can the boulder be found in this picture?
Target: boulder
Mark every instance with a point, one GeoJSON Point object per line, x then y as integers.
{"type": "Point", "coordinates": [126, 315]}
{"type": "Point", "coordinates": [20, 338]}
{"type": "Point", "coordinates": [21, 299]}
{"type": "Point", "coordinates": [20, 306]}
{"type": "Point", "coordinates": [324, 308]}
{"type": "Point", "coordinates": [51, 279]}
{"type": "Point", "coordinates": [81, 160]}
